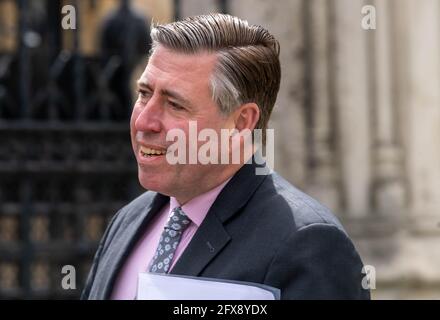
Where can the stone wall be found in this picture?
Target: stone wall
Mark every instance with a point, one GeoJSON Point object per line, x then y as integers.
{"type": "Point", "coordinates": [357, 124]}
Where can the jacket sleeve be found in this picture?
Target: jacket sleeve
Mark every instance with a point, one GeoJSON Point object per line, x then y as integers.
{"type": "Point", "coordinates": [318, 261]}
{"type": "Point", "coordinates": [102, 245]}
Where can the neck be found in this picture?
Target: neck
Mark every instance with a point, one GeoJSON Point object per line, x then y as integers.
{"type": "Point", "coordinates": [195, 192]}
{"type": "Point", "coordinates": [224, 175]}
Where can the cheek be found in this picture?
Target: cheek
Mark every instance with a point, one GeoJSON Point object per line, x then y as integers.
{"type": "Point", "coordinates": [216, 124]}
{"type": "Point", "coordinates": [133, 130]}
{"type": "Point", "coordinates": [134, 116]}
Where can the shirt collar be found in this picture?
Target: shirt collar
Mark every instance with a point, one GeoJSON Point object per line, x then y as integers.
{"type": "Point", "coordinates": [197, 208]}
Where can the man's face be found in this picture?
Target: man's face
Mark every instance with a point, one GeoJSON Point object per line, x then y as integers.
{"type": "Point", "coordinates": [174, 89]}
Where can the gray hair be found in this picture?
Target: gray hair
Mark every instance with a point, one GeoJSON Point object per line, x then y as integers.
{"type": "Point", "coordinates": [248, 67]}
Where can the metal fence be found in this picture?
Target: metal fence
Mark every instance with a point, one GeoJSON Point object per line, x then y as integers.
{"type": "Point", "coordinates": [66, 164]}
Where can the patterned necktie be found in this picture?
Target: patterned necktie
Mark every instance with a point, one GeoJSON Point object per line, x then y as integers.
{"type": "Point", "coordinates": [169, 240]}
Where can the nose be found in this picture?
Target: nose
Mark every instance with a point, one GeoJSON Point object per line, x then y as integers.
{"type": "Point", "coordinates": [149, 119]}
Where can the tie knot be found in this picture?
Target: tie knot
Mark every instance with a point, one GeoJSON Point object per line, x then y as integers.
{"type": "Point", "coordinates": [178, 220]}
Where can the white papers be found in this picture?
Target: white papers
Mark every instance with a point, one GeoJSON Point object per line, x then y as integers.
{"type": "Point", "coordinates": [153, 286]}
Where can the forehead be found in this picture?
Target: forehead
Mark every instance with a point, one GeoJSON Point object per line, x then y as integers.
{"type": "Point", "coordinates": [169, 66]}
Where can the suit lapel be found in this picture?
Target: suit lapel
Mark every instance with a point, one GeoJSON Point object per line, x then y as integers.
{"type": "Point", "coordinates": [207, 242]}
{"type": "Point", "coordinates": [132, 233]}
{"type": "Point", "coordinates": [211, 237]}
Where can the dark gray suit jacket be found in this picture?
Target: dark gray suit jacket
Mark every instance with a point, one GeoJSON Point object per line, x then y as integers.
{"type": "Point", "coordinates": [260, 229]}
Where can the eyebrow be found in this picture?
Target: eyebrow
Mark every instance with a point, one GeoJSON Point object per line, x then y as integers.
{"type": "Point", "coordinates": [165, 92]}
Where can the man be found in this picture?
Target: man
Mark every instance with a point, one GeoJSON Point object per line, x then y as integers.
{"type": "Point", "coordinates": [218, 220]}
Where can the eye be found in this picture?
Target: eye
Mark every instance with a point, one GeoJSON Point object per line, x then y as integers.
{"type": "Point", "coordinates": [175, 105]}
{"type": "Point", "coordinates": [143, 95]}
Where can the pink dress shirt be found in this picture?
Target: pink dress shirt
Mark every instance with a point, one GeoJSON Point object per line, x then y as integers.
{"type": "Point", "coordinates": [139, 259]}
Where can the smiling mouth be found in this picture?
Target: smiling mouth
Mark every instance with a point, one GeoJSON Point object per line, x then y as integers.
{"type": "Point", "coordinates": [149, 152]}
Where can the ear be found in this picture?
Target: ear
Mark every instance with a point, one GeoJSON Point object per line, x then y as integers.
{"type": "Point", "coordinates": [246, 116]}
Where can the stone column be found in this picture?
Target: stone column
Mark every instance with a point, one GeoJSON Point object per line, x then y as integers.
{"type": "Point", "coordinates": [423, 119]}
{"type": "Point", "coordinates": [322, 177]}
{"type": "Point", "coordinates": [352, 104]}
{"type": "Point", "coordinates": [388, 184]}
{"type": "Point", "coordinates": [285, 20]}
{"type": "Point", "coordinates": [195, 7]}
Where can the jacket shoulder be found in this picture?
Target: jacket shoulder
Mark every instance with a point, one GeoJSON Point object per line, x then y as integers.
{"type": "Point", "coordinates": [292, 206]}
{"type": "Point", "coordinates": [130, 212]}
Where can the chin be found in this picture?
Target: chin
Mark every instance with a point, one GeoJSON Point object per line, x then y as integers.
{"type": "Point", "coordinates": [152, 182]}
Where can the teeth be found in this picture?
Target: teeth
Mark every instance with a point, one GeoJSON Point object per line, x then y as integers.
{"type": "Point", "coordinates": [149, 151]}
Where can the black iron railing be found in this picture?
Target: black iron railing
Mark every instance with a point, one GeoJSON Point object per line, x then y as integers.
{"type": "Point", "coordinates": [66, 164]}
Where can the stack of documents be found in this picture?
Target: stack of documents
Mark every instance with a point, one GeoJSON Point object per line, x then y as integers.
{"type": "Point", "coordinates": [153, 286]}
